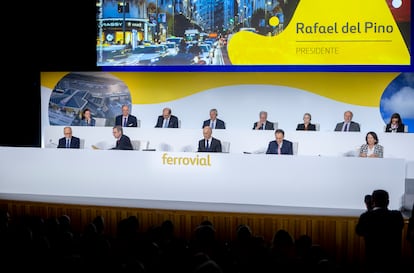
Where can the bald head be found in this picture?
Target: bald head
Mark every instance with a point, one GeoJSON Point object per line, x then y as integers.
{"type": "Point", "coordinates": [207, 131]}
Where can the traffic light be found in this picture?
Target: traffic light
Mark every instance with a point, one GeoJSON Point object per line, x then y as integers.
{"type": "Point", "coordinates": [121, 7]}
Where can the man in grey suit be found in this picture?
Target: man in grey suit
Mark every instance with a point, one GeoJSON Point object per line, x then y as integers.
{"type": "Point", "coordinates": [348, 125]}
{"type": "Point", "coordinates": [214, 122]}
{"type": "Point", "coordinates": [263, 123]}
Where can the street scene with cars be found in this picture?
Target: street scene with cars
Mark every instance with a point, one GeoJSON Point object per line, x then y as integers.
{"type": "Point", "coordinates": [180, 32]}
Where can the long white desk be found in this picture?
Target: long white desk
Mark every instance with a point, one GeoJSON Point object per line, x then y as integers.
{"type": "Point", "coordinates": [180, 140]}
{"type": "Point", "coordinates": [237, 182]}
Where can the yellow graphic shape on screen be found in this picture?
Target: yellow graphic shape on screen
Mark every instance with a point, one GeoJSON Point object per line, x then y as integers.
{"type": "Point", "coordinates": [326, 32]}
{"type": "Point", "coordinates": [364, 89]}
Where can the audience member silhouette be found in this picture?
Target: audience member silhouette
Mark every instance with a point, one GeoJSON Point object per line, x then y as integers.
{"type": "Point", "coordinates": [33, 243]}
{"type": "Point", "coordinates": [368, 201]}
{"type": "Point", "coordinates": [281, 252]}
{"type": "Point", "coordinates": [382, 231]}
{"type": "Point", "coordinates": [247, 252]}
{"type": "Point", "coordinates": [304, 257]}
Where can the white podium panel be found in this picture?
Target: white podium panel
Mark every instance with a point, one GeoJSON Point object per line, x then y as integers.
{"type": "Point", "coordinates": [186, 140]}
{"type": "Point", "coordinates": [199, 181]}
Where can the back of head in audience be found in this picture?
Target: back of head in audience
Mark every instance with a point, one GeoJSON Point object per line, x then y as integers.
{"type": "Point", "coordinates": [380, 198]}
{"type": "Point", "coordinates": [368, 201]}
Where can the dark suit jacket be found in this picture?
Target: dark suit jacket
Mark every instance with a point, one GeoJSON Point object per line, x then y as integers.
{"type": "Point", "coordinates": [268, 125]}
{"type": "Point", "coordinates": [301, 127]}
{"type": "Point", "coordinates": [287, 147]}
{"type": "Point", "coordinates": [131, 122]}
{"type": "Point", "coordinates": [219, 124]}
{"type": "Point", "coordinates": [173, 123]}
{"type": "Point", "coordinates": [215, 146]}
{"type": "Point", "coordinates": [400, 128]}
{"type": "Point", "coordinates": [74, 143]}
{"type": "Point", "coordinates": [382, 230]}
{"type": "Point", "coordinates": [353, 127]}
{"type": "Point", "coordinates": [124, 143]}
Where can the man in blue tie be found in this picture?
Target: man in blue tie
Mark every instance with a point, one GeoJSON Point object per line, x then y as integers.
{"type": "Point", "coordinates": [167, 120]}
{"type": "Point", "coordinates": [126, 119]}
{"type": "Point", "coordinates": [69, 141]}
{"type": "Point", "coordinates": [348, 125]}
{"type": "Point", "coordinates": [214, 122]}
{"type": "Point", "coordinates": [209, 143]}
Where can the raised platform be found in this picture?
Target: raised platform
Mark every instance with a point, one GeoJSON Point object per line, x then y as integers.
{"type": "Point", "coordinates": [259, 183]}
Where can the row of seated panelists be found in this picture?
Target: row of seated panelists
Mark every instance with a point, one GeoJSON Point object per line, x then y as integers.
{"type": "Point", "coordinates": [101, 122]}
{"type": "Point", "coordinates": [140, 145]}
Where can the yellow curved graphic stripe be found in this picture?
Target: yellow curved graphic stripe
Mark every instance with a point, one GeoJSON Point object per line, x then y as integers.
{"type": "Point", "coordinates": [50, 79]}
{"type": "Point", "coordinates": [364, 89]}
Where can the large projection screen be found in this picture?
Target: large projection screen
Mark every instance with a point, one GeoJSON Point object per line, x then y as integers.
{"type": "Point", "coordinates": [252, 35]}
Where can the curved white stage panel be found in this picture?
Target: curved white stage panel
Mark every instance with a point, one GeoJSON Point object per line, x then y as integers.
{"type": "Point", "coordinates": [237, 182]}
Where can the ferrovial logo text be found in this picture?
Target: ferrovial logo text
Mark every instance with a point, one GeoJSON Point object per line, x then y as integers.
{"type": "Point", "coordinates": [186, 160]}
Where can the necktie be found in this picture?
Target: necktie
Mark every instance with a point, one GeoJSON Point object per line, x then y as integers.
{"type": "Point", "coordinates": [125, 122]}
{"type": "Point", "coordinates": [278, 150]}
{"type": "Point", "coordinates": [67, 143]}
{"type": "Point", "coordinates": [346, 127]}
{"type": "Point", "coordinates": [212, 124]}
{"type": "Point", "coordinates": [207, 146]}
{"type": "Point", "coordinates": [165, 123]}
{"type": "Point", "coordinates": [263, 126]}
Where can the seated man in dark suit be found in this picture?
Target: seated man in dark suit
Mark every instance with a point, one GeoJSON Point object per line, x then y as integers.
{"type": "Point", "coordinates": [280, 145]}
{"type": "Point", "coordinates": [263, 123]}
{"type": "Point", "coordinates": [123, 142]}
{"type": "Point", "coordinates": [347, 125]}
{"type": "Point", "coordinates": [166, 120]}
{"type": "Point", "coordinates": [214, 122]}
{"type": "Point", "coordinates": [126, 119]}
{"type": "Point", "coordinates": [69, 141]}
{"type": "Point", "coordinates": [209, 143]}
